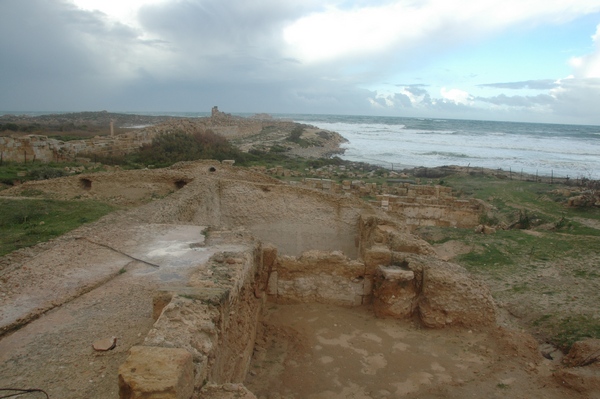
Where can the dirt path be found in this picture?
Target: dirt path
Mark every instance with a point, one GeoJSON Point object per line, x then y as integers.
{"type": "Point", "coordinates": [54, 351]}
{"type": "Point", "coordinates": [319, 351]}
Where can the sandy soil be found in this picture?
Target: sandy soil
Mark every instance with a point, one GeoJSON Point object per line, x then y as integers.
{"type": "Point", "coordinates": [319, 351]}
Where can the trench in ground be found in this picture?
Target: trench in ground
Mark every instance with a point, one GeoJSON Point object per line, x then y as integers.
{"type": "Point", "coordinates": [326, 351]}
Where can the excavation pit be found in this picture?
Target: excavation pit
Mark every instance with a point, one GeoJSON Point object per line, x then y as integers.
{"type": "Point", "coordinates": [319, 351]}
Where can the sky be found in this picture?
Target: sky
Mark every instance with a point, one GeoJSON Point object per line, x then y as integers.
{"type": "Point", "coordinates": [515, 60]}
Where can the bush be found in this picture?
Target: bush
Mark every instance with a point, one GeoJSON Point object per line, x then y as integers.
{"type": "Point", "coordinates": [167, 149]}
{"type": "Point", "coordinates": [9, 126]}
{"type": "Point", "coordinates": [296, 134]}
{"type": "Point", "coordinates": [46, 172]}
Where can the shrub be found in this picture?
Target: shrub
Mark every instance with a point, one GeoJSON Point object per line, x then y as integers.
{"type": "Point", "coordinates": [295, 134]}
{"type": "Point", "coordinates": [46, 172]}
{"type": "Point", "coordinates": [167, 149]}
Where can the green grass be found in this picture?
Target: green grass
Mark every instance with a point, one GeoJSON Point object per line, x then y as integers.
{"type": "Point", "coordinates": [512, 197]}
{"type": "Point", "coordinates": [568, 330]}
{"type": "Point", "coordinates": [510, 259]}
{"type": "Point", "coordinates": [26, 222]}
{"type": "Point", "coordinates": [13, 172]}
{"type": "Point", "coordinates": [530, 204]}
{"type": "Point", "coordinates": [575, 328]}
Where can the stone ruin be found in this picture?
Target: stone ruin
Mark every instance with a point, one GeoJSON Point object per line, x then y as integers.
{"type": "Point", "coordinates": [263, 241]}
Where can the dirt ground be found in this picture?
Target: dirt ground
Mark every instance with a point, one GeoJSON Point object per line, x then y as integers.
{"type": "Point", "coordinates": [55, 353]}
{"type": "Point", "coordinates": [320, 351]}
{"type": "Point", "coordinates": [83, 292]}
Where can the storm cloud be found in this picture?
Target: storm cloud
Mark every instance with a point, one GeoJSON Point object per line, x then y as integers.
{"type": "Point", "coordinates": [274, 56]}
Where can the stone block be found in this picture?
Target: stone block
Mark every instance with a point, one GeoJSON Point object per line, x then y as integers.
{"type": "Point", "coordinates": [272, 284]}
{"type": "Point", "coordinates": [156, 373]}
{"type": "Point", "coordinates": [376, 256]}
{"type": "Point", "coordinates": [269, 257]}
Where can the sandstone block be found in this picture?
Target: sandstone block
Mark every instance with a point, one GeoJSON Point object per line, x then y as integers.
{"type": "Point", "coordinates": [375, 257]}
{"type": "Point", "coordinates": [156, 373]}
{"type": "Point", "coordinates": [272, 283]}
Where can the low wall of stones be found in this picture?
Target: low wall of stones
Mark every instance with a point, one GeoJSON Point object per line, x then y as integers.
{"type": "Point", "coordinates": [204, 331]}
{"type": "Point", "coordinates": [415, 205]}
{"type": "Point", "coordinates": [319, 277]}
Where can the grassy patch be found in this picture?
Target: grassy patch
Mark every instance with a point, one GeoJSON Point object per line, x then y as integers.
{"type": "Point", "coordinates": [520, 287]}
{"type": "Point", "coordinates": [516, 198]}
{"type": "Point", "coordinates": [12, 173]}
{"type": "Point", "coordinates": [576, 328]}
{"type": "Point", "coordinates": [26, 222]}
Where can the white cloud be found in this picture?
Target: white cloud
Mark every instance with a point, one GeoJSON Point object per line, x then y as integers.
{"type": "Point", "coordinates": [336, 33]}
{"type": "Point", "coordinates": [588, 66]}
{"type": "Point", "coordinates": [457, 96]}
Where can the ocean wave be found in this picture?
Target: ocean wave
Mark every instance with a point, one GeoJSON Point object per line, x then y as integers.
{"type": "Point", "coordinates": [446, 154]}
{"type": "Point", "coordinates": [429, 132]}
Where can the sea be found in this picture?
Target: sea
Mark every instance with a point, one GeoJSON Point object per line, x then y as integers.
{"type": "Point", "coordinates": [401, 143]}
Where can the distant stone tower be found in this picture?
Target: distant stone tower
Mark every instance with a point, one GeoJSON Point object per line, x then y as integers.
{"type": "Point", "coordinates": [215, 112]}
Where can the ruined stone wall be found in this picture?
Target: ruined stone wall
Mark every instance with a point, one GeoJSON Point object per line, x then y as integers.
{"type": "Point", "coordinates": [318, 276]}
{"type": "Point", "coordinates": [43, 149]}
{"type": "Point", "coordinates": [415, 205]}
{"type": "Point", "coordinates": [211, 320]}
{"type": "Point", "coordinates": [30, 148]}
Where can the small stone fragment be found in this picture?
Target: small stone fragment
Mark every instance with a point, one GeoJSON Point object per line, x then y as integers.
{"type": "Point", "coordinates": [105, 344]}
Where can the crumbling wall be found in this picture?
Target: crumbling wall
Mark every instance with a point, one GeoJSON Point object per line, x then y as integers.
{"type": "Point", "coordinates": [440, 293]}
{"type": "Point", "coordinates": [40, 148]}
{"type": "Point", "coordinates": [318, 276]}
{"type": "Point", "coordinates": [408, 280]}
{"type": "Point", "coordinates": [213, 318]}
